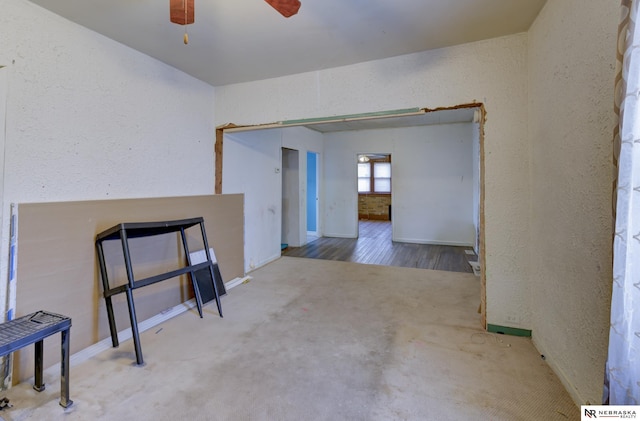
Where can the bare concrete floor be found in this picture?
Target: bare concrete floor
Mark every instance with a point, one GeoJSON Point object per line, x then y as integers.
{"type": "Point", "coordinates": [317, 340]}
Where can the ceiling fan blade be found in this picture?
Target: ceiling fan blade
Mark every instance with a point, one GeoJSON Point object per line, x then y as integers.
{"type": "Point", "coordinates": [287, 8]}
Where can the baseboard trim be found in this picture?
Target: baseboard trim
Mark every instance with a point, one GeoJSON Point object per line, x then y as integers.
{"type": "Point", "coordinates": [266, 261]}
{"type": "Point", "coordinates": [330, 235]}
{"type": "Point", "coordinates": [125, 334]}
{"type": "Point", "coordinates": [513, 331]}
{"type": "Point", "coordinates": [576, 395]}
{"type": "Point", "coordinates": [433, 242]}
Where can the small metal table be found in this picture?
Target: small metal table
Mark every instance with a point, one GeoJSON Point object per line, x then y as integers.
{"type": "Point", "coordinates": [128, 230]}
{"type": "Point", "coordinates": [33, 329]}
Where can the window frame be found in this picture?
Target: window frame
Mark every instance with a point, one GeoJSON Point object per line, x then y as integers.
{"type": "Point", "coordinates": [372, 178]}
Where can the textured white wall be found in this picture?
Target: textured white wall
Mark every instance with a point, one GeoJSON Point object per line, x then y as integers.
{"type": "Point", "coordinates": [4, 85]}
{"type": "Point", "coordinates": [572, 48]}
{"type": "Point", "coordinates": [432, 176]}
{"type": "Point", "coordinates": [88, 118]}
{"type": "Point", "coordinates": [252, 165]}
{"type": "Point", "coordinates": [493, 72]}
{"type": "Point", "coordinates": [433, 185]}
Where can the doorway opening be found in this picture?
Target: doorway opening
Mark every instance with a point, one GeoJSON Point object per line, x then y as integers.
{"type": "Point", "coordinates": [313, 199]}
{"type": "Point", "coordinates": [374, 195]}
{"type": "Point", "coordinates": [290, 198]}
{"type": "Point", "coordinates": [337, 192]}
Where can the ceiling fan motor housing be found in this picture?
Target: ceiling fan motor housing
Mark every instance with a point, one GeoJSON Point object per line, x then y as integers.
{"type": "Point", "coordinates": [181, 12]}
{"type": "Point", "coordinates": [287, 8]}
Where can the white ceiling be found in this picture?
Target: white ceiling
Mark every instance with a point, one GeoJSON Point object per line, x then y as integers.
{"type": "Point", "coordinates": [235, 41]}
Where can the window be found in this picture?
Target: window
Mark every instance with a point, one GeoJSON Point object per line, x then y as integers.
{"type": "Point", "coordinates": [364, 177]}
{"type": "Point", "coordinates": [382, 177]}
{"type": "Point", "coordinates": [374, 176]}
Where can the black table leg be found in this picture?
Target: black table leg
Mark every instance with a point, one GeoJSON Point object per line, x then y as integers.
{"type": "Point", "coordinates": [65, 402]}
{"type": "Point", "coordinates": [192, 275]}
{"type": "Point", "coordinates": [213, 277]}
{"type": "Point", "coordinates": [215, 287]}
{"type": "Point", "coordinates": [105, 286]}
{"type": "Point", "coordinates": [134, 327]}
{"type": "Point", "coordinates": [112, 323]}
{"type": "Point", "coordinates": [38, 382]}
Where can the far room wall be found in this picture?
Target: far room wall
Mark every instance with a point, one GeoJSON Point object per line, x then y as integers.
{"type": "Point", "coordinates": [432, 181]}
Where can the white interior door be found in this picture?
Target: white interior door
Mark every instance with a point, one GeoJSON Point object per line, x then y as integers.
{"type": "Point", "coordinates": [290, 197]}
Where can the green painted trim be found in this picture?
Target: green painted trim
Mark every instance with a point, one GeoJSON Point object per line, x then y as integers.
{"type": "Point", "coordinates": [509, 330]}
{"type": "Point", "coordinates": [352, 116]}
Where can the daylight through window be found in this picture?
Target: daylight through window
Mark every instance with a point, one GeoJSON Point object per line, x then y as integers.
{"type": "Point", "coordinates": [374, 176]}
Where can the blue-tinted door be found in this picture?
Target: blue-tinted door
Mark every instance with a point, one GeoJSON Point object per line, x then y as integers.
{"type": "Point", "coordinates": [312, 191]}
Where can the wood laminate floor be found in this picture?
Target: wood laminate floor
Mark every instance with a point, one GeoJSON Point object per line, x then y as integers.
{"type": "Point", "coordinates": [374, 246]}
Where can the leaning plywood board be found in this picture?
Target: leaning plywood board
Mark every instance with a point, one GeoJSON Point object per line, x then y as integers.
{"type": "Point", "coordinates": [58, 271]}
